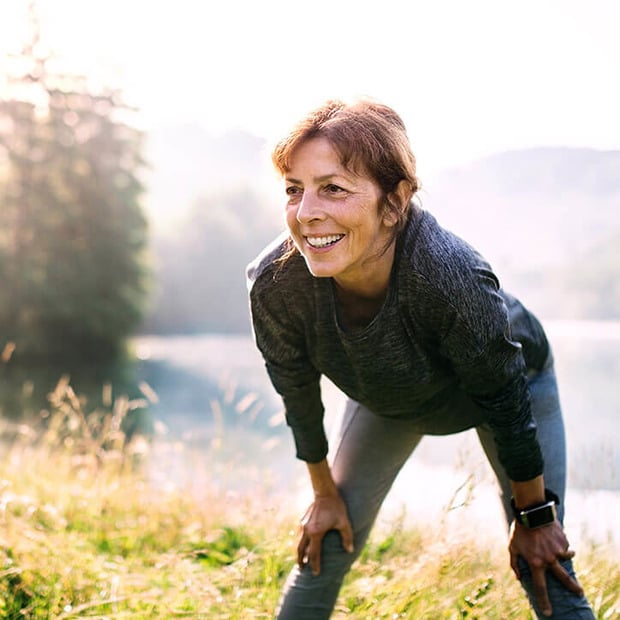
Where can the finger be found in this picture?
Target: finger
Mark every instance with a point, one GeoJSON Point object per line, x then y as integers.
{"type": "Point", "coordinates": [540, 590]}
{"type": "Point", "coordinates": [564, 577]}
{"type": "Point", "coordinates": [566, 555]}
{"type": "Point", "coordinates": [346, 533]}
{"type": "Point", "coordinates": [314, 555]}
{"type": "Point", "coordinates": [302, 549]}
{"type": "Point", "coordinates": [514, 564]}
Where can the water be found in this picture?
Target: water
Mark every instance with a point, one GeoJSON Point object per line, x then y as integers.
{"type": "Point", "coordinates": [206, 382]}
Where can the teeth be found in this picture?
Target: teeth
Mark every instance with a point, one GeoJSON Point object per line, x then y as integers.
{"type": "Point", "coordinates": [321, 242]}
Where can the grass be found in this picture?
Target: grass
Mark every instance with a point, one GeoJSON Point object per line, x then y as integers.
{"type": "Point", "coordinates": [87, 531]}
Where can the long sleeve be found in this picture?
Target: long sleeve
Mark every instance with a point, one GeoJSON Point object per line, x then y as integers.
{"type": "Point", "coordinates": [468, 318]}
{"type": "Point", "coordinates": [445, 332]}
{"type": "Point", "coordinates": [281, 342]}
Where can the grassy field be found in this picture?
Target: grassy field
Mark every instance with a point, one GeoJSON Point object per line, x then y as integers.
{"type": "Point", "coordinates": [86, 531]}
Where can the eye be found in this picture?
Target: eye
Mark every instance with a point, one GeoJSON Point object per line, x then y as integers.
{"type": "Point", "coordinates": [334, 189]}
{"type": "Point", "coordinates": [293, 190]}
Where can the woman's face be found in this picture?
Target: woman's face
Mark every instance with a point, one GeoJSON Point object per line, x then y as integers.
{"type": "Point", "coordinates": [335, 219]}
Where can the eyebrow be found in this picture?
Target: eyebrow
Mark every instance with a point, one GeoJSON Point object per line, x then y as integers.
{"type": "Point", "coordinates": [321, 179]}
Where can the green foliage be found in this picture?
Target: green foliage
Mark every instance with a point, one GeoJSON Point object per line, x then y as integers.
{"type": "Point", "coordinates": [201, 269]}
{"type": "Point", "coordinates": [72, 231]}
{"type": "Point", "coordinates": [223, 548]}
{"type": "Point", "coordinates": [469, 602]}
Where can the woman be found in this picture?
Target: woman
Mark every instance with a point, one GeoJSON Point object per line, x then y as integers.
{"type": "Point", "coordinates": [412, 325]}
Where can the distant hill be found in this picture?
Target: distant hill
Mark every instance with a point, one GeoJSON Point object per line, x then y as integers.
{"type": "Point", "coordinates": [549, 221]}
{"type": "Point", "coordinates": [532, 207]}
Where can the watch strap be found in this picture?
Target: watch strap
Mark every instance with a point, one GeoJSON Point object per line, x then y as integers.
{"type": "Point", "coordinates": [537, 515]}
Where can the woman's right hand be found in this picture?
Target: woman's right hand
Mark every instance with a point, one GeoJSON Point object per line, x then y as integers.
{"type": "Point", "coordinates": [327, 512]}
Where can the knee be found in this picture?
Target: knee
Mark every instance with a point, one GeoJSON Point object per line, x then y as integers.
{"type": "Point", "coordinates": [565, 603]}
{"type": "Point", "coordinates": [332, 549]}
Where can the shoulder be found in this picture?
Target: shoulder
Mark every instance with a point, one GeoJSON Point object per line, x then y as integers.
{"type": "Point", "coordinates": [446, 285]}
{"type": "Point", "coordinates": [281, 292]}
{"type": "Point", "coordinates": [266, 259]}
{"type": "Point", "coordinates": [439, 257]}
{"type": "Point", "coordinates": [273, 270]}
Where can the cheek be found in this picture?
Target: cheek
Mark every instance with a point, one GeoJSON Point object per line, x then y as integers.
{"type": "Point", "coordinates": [290, 212]}
{"type": "Point", "coordinates": [290, 218]}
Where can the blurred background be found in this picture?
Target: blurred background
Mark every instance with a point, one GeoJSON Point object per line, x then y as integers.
{"type": "Point", "coordinates": [135, 185]}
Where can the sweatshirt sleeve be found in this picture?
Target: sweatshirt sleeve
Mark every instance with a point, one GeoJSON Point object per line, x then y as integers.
{"type": "Point", "coordinates": [281, 341]}
{"type": "Point", "coordinates": [473, 333]}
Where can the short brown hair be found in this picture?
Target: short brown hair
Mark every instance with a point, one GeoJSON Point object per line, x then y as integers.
{"type": "Point", "coordinates": [370, 138]}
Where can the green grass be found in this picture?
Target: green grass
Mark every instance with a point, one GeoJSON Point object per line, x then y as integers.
{"type": "Point", "coordinates": [86, 532]}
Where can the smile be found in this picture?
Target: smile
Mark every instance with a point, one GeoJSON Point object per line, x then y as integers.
{"type": "Point", "coordinates": [323, 242]}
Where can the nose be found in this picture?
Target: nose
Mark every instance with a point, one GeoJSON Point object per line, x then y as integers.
{"type": "Point", "coordinates": [309, 208]}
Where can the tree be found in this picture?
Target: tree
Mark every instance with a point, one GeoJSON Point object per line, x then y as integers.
{"type": "Point", "coordinates": [201, 268]}
{"type": "Point", "coordinates": [72, 230]}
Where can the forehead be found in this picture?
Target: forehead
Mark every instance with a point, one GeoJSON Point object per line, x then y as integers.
{"type": "Point", "coordinates": [320, 154]}
{"type": "Point", "coordinates": [317, 150]}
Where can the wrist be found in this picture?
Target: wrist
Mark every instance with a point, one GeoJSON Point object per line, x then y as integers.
{"type": "Point", "coordinates": [538, 514]}
{"type": "Point", "coordinates": [323, 484]}
{"type": "Point", "coordinates": [324, 492]}
{"type": "Point", "coordinates": [527, 493]}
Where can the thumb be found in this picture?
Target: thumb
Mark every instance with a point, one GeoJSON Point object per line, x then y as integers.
{"type": "Point", "coordinates": [514, 564]}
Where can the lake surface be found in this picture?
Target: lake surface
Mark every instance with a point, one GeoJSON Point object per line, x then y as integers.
{"type": "Point", "coordinates": [214, 393]}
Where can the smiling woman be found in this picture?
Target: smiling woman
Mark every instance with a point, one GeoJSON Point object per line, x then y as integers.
{"type": "Point", "coordinates": [410, 323]}
{"type": "Point", "coordinates": [344, 212]}
{"type": "Point", "coordinates": [337, 222]}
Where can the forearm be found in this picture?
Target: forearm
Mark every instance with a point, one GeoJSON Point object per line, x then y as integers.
{"type": "Point", "coordinates": [321, 478]}
{"type": "Point", "coordinates": [529, 492]}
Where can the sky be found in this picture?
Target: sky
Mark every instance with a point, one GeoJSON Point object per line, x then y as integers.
{"type": "Point", "coordinates": [469, 78]}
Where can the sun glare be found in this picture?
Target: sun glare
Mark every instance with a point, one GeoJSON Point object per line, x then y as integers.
{"type": "Point", "coordinates": [469, 78]}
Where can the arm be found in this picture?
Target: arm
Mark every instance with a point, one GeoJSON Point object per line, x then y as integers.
{"type": "Point", "coordinates": [281, 340]}
{"type": "Point", "coordinates": [279, 333]}
{"type": "Point", "coordinates": [515, 435]}
{"type": "Point", "coordinates": [529, 492]}
{"type": "Point", "coordinates": [475, 336]}
{"type": "Point", "coordinates": [327, 512]}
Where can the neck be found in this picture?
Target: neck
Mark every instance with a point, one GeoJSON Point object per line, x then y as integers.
{"type": "Point", "coordinates": [359, 303]}
{"type": "Point", "coordinates": [373, 283]}
{"type": "Point", "coordinates": [356, 311]}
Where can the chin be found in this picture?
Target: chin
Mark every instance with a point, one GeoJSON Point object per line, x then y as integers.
{"type": "Point", "coordinates": [320, 271]}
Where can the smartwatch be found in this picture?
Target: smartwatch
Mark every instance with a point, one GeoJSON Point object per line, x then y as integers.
{"type": "Point", "coordinates": [537, 515]}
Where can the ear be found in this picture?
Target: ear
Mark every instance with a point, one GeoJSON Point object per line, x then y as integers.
{"type": "Point", "coordinates": [402, 194]}
{"type": "Point", "coordinates": [399, 198]}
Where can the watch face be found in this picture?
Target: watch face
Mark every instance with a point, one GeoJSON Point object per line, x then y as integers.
{"type": "Point", "coordinates": [537, 517]}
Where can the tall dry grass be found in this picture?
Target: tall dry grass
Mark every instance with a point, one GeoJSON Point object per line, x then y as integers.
{"type": "Point", "coordinates": [93, 524]}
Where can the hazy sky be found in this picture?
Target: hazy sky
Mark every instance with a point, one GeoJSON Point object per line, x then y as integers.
{"type": "Point", "coordinates": [469, 78]}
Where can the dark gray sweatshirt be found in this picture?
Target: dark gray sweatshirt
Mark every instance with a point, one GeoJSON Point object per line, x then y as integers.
{"type": "Point", "coordinates": [449, 349]}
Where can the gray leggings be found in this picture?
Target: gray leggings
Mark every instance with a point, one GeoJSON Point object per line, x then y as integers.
{"type": "Point", "coordinates": [368, 454]}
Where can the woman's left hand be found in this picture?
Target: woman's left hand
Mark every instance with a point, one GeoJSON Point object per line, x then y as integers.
{"type": "Point", "coordinates": [542, 548]}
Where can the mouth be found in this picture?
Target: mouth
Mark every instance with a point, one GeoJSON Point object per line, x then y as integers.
{"type": "Point", "coordinates": [323, 242]}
